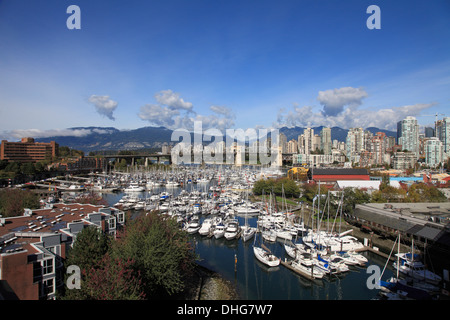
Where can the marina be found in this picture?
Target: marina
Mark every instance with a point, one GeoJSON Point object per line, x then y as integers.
{"type": "Point", "coordinates": [267, 252]}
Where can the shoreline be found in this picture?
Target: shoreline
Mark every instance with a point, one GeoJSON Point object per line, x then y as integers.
{"type": "Point", "coordinates": [205, 284]}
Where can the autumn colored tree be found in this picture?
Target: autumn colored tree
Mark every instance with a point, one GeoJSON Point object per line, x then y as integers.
{"type": "Point", "coordinates": [421, 192]}
{"type": "Point", "coordinates": [112, 279]}
{"type": "Point", "coordinates": [14, 201]}
{"type": "Point", "coordinates": [388, 194]}
{"type": "Point", "coordinates": [92, 198]}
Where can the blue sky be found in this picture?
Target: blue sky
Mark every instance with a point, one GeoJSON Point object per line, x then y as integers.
{"type": "Point", "coordinates": [228, 63]}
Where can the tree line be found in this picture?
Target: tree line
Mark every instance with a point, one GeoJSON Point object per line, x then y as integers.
{"type": "Point", "coordinates": [305, 192]}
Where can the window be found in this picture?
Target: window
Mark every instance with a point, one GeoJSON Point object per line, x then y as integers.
{"type": "Point", "coordinates": [121, 218]}
{"type": "Point", "coordinates": [112, 223]}
{"type": "Point", "coordinates": [47, 266]}
{"type": "Point", "coordinates": [48, 286]}
{"type": "Point", "coordinates": [37, 271]}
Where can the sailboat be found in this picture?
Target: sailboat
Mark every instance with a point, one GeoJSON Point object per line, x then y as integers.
{"type": "Point", "coordinates": [247, 231]}
{"type": "Point", "coordinates": [264, 255]}
{"type": "Point", "coordinates": [397, 289]}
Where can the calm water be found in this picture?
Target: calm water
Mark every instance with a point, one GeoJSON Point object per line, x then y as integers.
{"type": "Point", "coordinates": [254, 280]}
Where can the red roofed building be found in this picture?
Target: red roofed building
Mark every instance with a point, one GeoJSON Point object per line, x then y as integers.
{"type": "Point", "coordinates": [34, 246]}
{"type": "Point", "coordinates": [331, 175]}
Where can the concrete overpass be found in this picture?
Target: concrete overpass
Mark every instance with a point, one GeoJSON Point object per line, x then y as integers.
{"type": "Point", "coordinates": [146, 156]}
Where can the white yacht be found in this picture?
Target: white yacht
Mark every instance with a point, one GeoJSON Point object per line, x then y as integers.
{"type": "Point", "coordinates": [219, 231]}
{"type": "Point", "coordinates": [134, 187]}
{"type": "Point", "coordinates": [410, 265]}
{"type": "Point", "coordinates": [206, 227]}
{"type": "Point", "coordinates": [232, 230]}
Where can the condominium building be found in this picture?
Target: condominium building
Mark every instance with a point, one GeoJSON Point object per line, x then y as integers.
{"type": "Point", "coordinates": [355, 142]}
{"type": "Point", "coordinates": [408, 135]}
{"type": "Point", "coordinates": [403, 160]}
{"type": "Point", "coordinates": [434, 152]}
{"type": "Point", "coordinates": [443, 133]}
{"type": "Point", "coordinates": [326, 143]}
{"type": "Point", "coordinates": [292, 146]}
{"type": "Point", "coordinates": [306, 141]}
{"type": "Point", "coordinates": [33, 246]}
{"type": "Point", "coordinates": [27, 150]}
{"type": "Point", "coordinates": [377, 147]}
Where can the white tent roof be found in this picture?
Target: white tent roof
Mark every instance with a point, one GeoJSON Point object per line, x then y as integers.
{"type": "Point", "coordinates": [360, 184]}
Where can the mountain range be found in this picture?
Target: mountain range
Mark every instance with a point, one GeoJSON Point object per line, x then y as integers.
{"type": "Point", "coordinates": [109, 138]}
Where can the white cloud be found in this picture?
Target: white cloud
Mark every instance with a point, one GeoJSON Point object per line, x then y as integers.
{"type": "Point", "coordinates": [342, 109]}
{"type": "Point", "coordinates": [351, 117]}
{"type": "Point", "coordinates": [38, 133]}
{"type": "Point", "coordinates": [333, 101]}
{"type": "Point", "coordinates": [158, 115]}
{"type": "Point", "coordinates": [222, 110]}
{"type": "Point", "coordinates": [172, 100]}
{"type": "Point", "coordinates": [174, 113]}
{"type": "Point", "coordinates": [104, 105]}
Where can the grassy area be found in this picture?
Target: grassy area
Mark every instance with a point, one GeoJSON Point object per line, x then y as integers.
{"type": "Point", "coordinates": [280, 200]}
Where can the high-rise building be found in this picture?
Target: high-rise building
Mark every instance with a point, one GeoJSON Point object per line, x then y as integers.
{"type": "Point", "coordinates": [283, 142]}
{"type": "Point", "coordinates": [429, 132]}
{"type": "Point", "coordinates": [443, 133]}
{"type": "Point", "coordinates": [377, 147]}
{"type": "Point", "coordinates": [292, 146]}
{"type": "Point", "coordinates": [355, 141]}
{"type": "Point", "coordinates": [408, 135]}
{"type": "Point", "coordinates": [434, 152]}
{"type": "Point", "coordinates": [306, 141]}
{"type": "Point", "coordinates": [326, 144]}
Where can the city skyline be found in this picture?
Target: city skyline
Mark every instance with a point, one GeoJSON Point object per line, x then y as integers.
{"type": "Point", "coordinates": [229, 64]}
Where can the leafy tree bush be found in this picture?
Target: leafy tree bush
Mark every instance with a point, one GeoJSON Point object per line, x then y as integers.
{"type": "Point", "coordinates": [160, 252]}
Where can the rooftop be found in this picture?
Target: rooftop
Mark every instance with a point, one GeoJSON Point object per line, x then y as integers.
{"type": "Point", "coordinates": [17, 233]}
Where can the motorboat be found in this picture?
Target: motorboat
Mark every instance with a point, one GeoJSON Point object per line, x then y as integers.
{"type": "Point", "coordinates": [219, 231]}
{"type": "Point", "coordinates": [303, 267]}
{"type": "Point", "coordinates": [193, 225]}
{"type": "Point", "coordinates": [134, 187]}
{"type": "Point", "coordinates": [206, 227]}
{"type": "Point", "coordinates": [232, 229]}
{"type": "Point", "coordinates": [411, 266]}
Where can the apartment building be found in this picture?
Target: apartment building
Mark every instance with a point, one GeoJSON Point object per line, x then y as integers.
{"type": "Point", "coordinates": [33, 246]}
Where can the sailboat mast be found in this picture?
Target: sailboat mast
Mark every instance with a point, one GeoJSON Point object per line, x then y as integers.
{"type": "Point", "coordinates": [398, 254]}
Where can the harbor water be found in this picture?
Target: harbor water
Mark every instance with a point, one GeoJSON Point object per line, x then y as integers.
{"type": "Point", "coordinates": [235, 261]}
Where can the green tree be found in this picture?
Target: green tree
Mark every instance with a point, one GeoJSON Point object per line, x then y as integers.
{"type": "Point", "coordinates": [28, 168]}
{"type": "Point", "coordinates": [263, 186]}
{"type": "Point", "coordinates": [89, 247]}
{"type": "Point", "coordinates": [13, 167]}
{"type": "Point", "coordinates": [88, 250]}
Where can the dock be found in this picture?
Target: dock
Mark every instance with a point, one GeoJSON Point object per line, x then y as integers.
{"type": "Point", "coordinates": [377, 252]}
